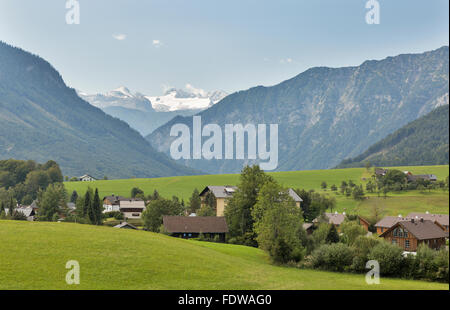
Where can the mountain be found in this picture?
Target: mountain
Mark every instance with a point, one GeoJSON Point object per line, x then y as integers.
{"type": "Point", "coordinates": [325, 115]}
{"type": "Point", "coordinates": [424, 141]}
{"type": "Point", "coordinates": [147, 113]}
{"type": "Point", "coordinates": [41, 119]}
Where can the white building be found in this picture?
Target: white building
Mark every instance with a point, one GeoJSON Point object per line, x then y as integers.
{"type": "Point", "coordinates": [87, 178]}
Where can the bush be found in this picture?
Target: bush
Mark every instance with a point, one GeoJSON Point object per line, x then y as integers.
{"type": "Point", "coordinates": [333, 257]}
{"type": "Point", "coordinates": [389, 256]}
{"type": "Point", "coordinates": [363, 245]}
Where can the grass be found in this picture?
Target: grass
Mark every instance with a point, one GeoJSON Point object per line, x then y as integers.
{"type": "Point", "coordinates": [33, 255]}
{"type": "Point", "coordinates": [396, 203]}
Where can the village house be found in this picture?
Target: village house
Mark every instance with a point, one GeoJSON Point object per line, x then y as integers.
{"type": "Point", "coordinates": [364, 223]}
{"type": "Point", "coordinates": [408, 235]}
{"type": "Point", "coordinates": [224, 193]}
{"type": "Point", "coordinates": [308, 227]}
{"type": "Point", "coordinates": [334, 218]}
{"type": "Point", "coordinates": [380, 172]}
{"type": "Point", "coordinates": [387, 222]}
{"type": "Point", "coordinates": [87, 178]}
{"type": "Point", "coordinates": [425, 177]}
{"type": "Point", "coordinates": [131, 208]}
{"type": "Point", "coordinates": [192, 226]}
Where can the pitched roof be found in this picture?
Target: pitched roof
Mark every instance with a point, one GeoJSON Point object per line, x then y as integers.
{"type": "Point", "coordinates": [389, 221]}
{"type": "Point", "coordinates": [27, 211]}
{"type": "Point", "coordinates": [442, 219]}
{"type": "Point", "coordinates": [117, 199]}
{"type": "Point", "coordinates": [132, 204]}
{"type": "Point", "coordinates": [335, 218]}
{"type": "Point", "coordinates": [294, 195]}
{"type": "Point", "coordinates": [195, 224]}
{"type": "Point", "coordinates": [421, 229]}
{"type": "Point", "coordinates": [306, 226]}
{"type": "Point", "coordinates": [220, 191]}
{"type": "Point", "coordinates": [125, 225]}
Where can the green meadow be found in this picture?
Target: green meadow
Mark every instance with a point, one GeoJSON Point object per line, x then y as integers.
{"type": "Point", "coordinates": [33, 255]}
{"type": "Point", "coordinates": [394, 204]}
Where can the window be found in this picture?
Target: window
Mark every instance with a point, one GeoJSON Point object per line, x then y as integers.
{"type": "Point", "coordinates": [405, 234]}
{"type": "Point", "coordinates": [407, 244]}
{"type": "Point", "coordinates": [394, 241]}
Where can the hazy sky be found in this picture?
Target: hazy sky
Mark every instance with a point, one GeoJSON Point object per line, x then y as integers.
{"type": "Point", "coordinates": [228, 45]}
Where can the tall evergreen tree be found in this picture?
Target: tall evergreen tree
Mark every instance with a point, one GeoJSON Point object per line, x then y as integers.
{"type": "Point", "coordinates": [333, 236]}
{"type": "Point", "coordinates": [96, 210]}
{"type": "Point", "coordinates": [195, 201]}
{"type": "Point", "coordinates": [74, 197]}
{"type": "Point", "coordinates": [87, 203]}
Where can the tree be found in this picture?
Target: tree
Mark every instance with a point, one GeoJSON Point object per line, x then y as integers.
{"type": "Point", "coordinates": [195, 201]}
{"type": "Point", "coordinates": [156, 209]}
{"type": "Point", "coordinates": [155, 195]}
{"type": "Point", "coordinates": [277, 224]}
{"type": "Point", "coordinates": [343, 187]}
{"type": "Point", "coordinates": [136, 191]}
{"type": "Point", "coordinates": [239, 207]}
{"type": "Point", "coordinates": [358, 193]}
{"type": "Point", "coordinates": [11, 207]}
{"type": "Point", "coordinates": [95, 210]}
{"type": "Point", "coordinates": [333, 187]}
{"type": "Point", "coordinates": [351, 230]}
{"type": "Point", "coordinates": [324, 185]}
{"type": "Point", "coordinates": [87, 203]}
{"type": "Point", "coordinates": [368, 165]}
{"type": "Point", "coordinates": [332, 236]}
{"type": "Point", "coordinates": [206, 210]}
{"type": "Point", "coordinates": [74, 196]}
{"type": "Point", "coordinates": [50, 201]}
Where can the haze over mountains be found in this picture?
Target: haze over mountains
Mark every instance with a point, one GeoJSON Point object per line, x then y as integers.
{"type": "Point", "coordinates": [42, 119]}
{"type": "Point", "coordinates": [328, 114]}
{"type": "Point", "coordinates": [146, 113]}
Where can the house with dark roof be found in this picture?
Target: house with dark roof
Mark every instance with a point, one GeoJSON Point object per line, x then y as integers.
{"type": "Point", "coordinates": [425, 177]}
{"type": "Point", "coordinates": [380, 172]}
{"type": "Point", "coordinates": [410, 234]}
{"type": "Point", "coordinates": [224, 193]}
{"type": "Point", "coordinates": [334, 218]}
{"type": "Point", "coordinates": [192, 226]}
{"type": "Point", "coordinates": [442, 219]}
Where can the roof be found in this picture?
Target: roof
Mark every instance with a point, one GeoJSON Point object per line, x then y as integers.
{"type": "Point", "coordinates": [27, 211]}
{"type": "Point", "coordinates": [430, 177]}
{"type": "Point", "coordinates": [125, 225]}
{"type": "Point", "coordinates": [307, 226]}
{"type": "Point", "coordinates": [335, 218]}
{"type": "Point", "coordinates": [220, 191]}
{"type": "Point", "coordinates": [421, 229]}
{"type": "Point", "coordinates": [440, 218]}
{"type": "Point", "coordinates": [380, 171]}
{"type": "Point", "coordinates": [118, 199]}
{"type": "Point", "coordinates": [294, 195]}
{"type": "Point", "coordinates": [132, 204]}
{"type": "Point", "coordinates": [86, 176]}
{"type": "Point", "coordinates": [195, 224]}
{"type": "Point", "coordinates": [389, 221]}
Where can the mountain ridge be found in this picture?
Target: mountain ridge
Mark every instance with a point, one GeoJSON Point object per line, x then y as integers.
{"type": "Point", "coordinates": [41, 118]}
{"type": "Point", "coordinates": [328, 114]}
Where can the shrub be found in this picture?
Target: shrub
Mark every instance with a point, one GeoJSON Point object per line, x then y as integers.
{"type": "Point", "coordinates": [334, 257]}
{"type": "Point", "coordinates": [441, 261]}
{"type": "Point", "coordinates": [363, 245]}
{"type": "Point", "coordinates": [389, 256]}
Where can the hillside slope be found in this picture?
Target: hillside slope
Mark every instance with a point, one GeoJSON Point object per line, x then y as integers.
{"type": "Point", "coordinates": [113, 258]}
{"type": "Point", "coordinates": [424, 141]}
{"type": "Point", "coordinates": [325, 115]}
{"type": "Point", "coordinates": [41, 119]}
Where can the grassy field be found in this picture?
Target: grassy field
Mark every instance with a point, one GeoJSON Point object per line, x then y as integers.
{"type": "Point", "coordinates": [394, 204]}
{"type": "Point", "coordinates": [33, 255]}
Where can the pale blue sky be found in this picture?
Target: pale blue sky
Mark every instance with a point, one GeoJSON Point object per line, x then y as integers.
{"type": "Point", "coordinates": [229, 45]}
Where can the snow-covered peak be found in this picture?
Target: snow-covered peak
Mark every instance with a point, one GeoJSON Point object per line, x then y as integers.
{"type": "Point", "coordinates": [121, 91]}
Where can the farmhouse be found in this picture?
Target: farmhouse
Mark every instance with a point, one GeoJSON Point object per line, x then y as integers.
{"type": "Point", "coordinates": [364, 223]}
{"type": "Point", "coordinates": [425, 177]}
{"type": "Point", "coordinates": [191, 226]}
{"type": "Point", "coordinates": [223, 193]}
{"type": "Point", "coordinates": [87, 178]}
{"type": "Point", "coordinates": [131, 208]}
{"type": "Point", "coordinates": [410, 234]}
